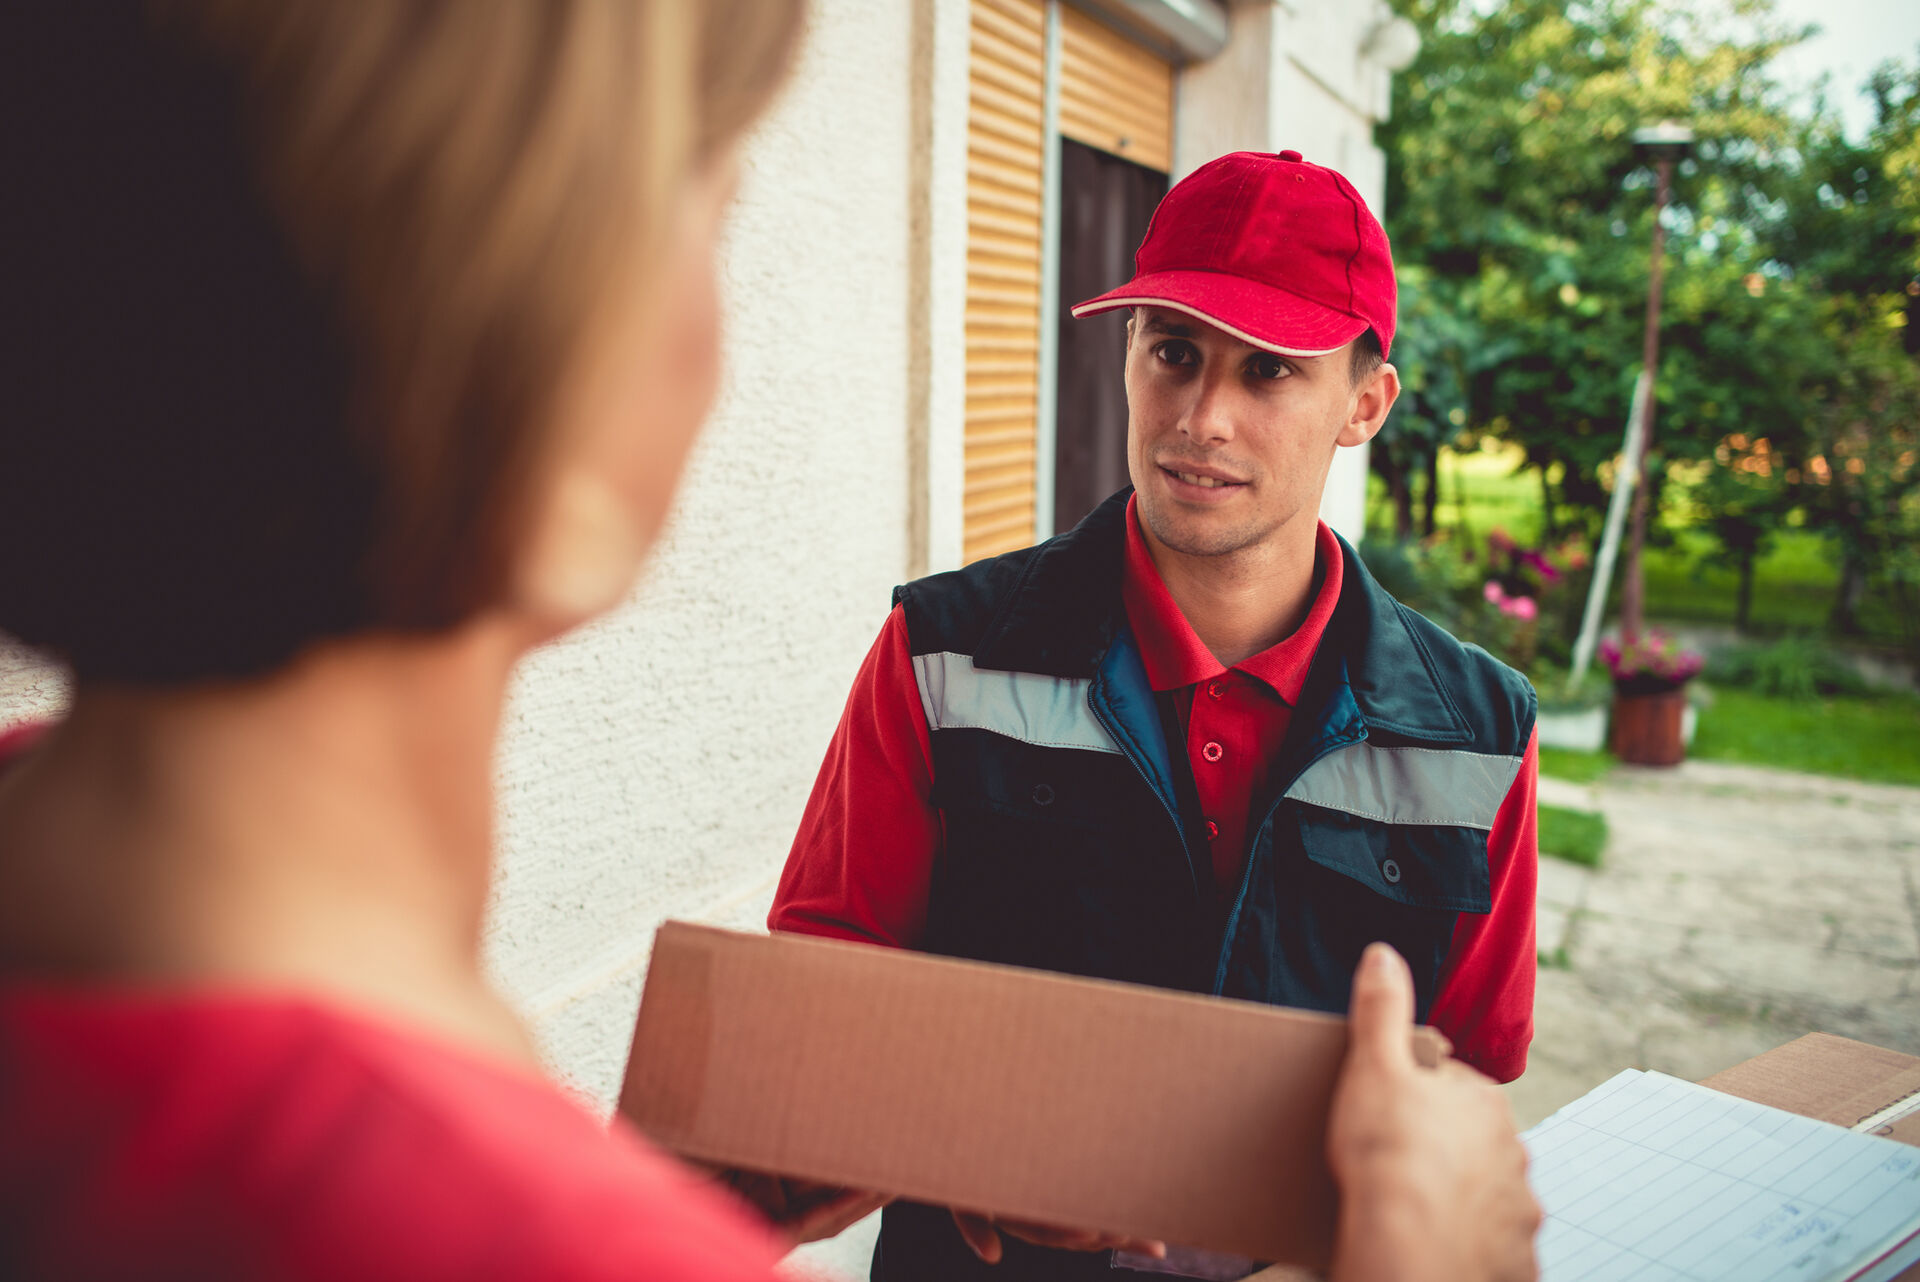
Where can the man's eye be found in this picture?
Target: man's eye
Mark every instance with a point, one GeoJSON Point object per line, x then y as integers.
{"type": "Point", "coordinates": [1269, 367]}
{"type": "Point", "coordinates": [1175, 353]}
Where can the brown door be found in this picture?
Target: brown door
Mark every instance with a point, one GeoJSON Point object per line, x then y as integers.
{"type": "Point", "coordinates": [1105, 203]}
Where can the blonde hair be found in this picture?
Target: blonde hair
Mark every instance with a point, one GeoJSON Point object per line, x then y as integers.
{"type": "Point", "coordinates": [464, 174]}
{"type": "Point", "coordinates": [397, 219]}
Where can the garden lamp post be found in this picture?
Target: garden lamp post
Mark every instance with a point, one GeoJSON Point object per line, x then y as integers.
{"type": "Point", "coordinates": [1662, 144]}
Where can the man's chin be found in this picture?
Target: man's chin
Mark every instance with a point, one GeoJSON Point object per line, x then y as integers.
{"type": "Point", "coordinates": [1200, 534]}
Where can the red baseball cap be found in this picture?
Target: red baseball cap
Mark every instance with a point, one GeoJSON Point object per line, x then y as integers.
{"type": "Point", "coordinates": [1279, 253]}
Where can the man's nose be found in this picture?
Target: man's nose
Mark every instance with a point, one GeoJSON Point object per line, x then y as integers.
{"type": "Point", "coordinates": [1209, 416]}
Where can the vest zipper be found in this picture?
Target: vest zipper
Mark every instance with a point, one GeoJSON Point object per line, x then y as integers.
{"type": "Point", "coordinates": [1246, 874]}
{"type": "Point", "coordinates": [1180, 830]}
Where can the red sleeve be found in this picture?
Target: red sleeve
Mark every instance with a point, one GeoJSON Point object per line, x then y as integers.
{"type": "Point", "coordinates": [862, 862]}
{"type": "Point", "coordinates": [1485, 1003]}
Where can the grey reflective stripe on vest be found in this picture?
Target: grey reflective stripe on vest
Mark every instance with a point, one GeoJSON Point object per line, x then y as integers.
{"type": "Point", "coordinates": [1431, 786]}
{"type": "Point", "coordinates": [1049, 712]}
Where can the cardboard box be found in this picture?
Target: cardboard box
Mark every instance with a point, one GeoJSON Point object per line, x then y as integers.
{"type": "Point", "coordinates": [1199, 1121]}
{"type": "Point", "coordinates": [1836, 1080]}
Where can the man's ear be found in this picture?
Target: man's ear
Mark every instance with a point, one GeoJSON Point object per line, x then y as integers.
{"type": "Point", "coordinates": [1370, 406]}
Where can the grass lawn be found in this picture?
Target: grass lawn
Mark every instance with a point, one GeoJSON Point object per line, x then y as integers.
{"type": "Point", "coordinates": [1575, 766]}
{"type": "Point", "coordinates": [1793, 585]}
{"type": "Point", "coordinates": [1479, 489]}
{"type": "Point", "coordinates": [1876, 739]}
{"type": "Point", "coordinates": [1577, 836]}
{"type": "Point", "coordinates": [1688, 579]}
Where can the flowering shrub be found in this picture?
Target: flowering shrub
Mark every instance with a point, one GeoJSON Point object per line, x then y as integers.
{"type": "Point", "coordinates": [1523, 604]}
{"type": "Point", "coordinates": [1529, 589]}
{"type": "Point", "coordinates": [1653, 664]}
{"type": "Point", "coordinates": [1523, 608]}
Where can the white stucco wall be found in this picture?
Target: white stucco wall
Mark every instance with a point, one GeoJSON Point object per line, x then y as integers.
{"type": "Point", "coordinates": [656, 765]}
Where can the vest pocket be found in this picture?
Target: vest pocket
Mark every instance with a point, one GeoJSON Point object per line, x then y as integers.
{"type": "Point", "coordinates": [1420, 866]}
{"type": "Point", "coordinates": [1061, 859]}
{"type": "Point", "coordinates": [976, 770]}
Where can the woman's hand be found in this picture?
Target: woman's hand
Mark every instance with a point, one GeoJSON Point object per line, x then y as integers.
{"type": "Point", "coordinates": [1433, 1180]}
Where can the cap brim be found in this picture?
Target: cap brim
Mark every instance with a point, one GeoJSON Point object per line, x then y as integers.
{"type": "Point", "coordinates": [1254, 313]}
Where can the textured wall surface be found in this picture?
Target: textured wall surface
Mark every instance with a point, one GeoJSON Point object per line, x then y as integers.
{"type": "Point", "coordinates": [656, 765]}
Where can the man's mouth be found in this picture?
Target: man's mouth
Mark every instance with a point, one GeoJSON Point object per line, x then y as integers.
{"type": "Point", "coordinates": [1204, 480]}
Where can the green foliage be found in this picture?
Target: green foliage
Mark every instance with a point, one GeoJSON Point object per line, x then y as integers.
{"type": "Point", "coordinates": [1791, 668]}
{"type": "Point", "coordinates": [1450, 581]}
{"type": "Point", "coordinates": [1577, 836]}
{"type": "Point", "coordinates": [1876, 739]}
{"type": "Point", "coordinates": [1575, 766]}
{"type": "Point", "coordinates": [1522, 221]}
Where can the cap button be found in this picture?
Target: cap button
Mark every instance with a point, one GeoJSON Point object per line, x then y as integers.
{"type": "Point", "coordinates": [1292, 157]}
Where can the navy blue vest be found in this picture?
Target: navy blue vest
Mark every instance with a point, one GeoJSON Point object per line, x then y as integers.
{"type": "Point", "coordinates": [1069, 845]}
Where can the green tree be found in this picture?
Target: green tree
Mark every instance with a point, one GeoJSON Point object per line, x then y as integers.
{"type": "Point", "coordinates": [1849, 237]}
{"type": "Point", "coordinates": [1521, 214]}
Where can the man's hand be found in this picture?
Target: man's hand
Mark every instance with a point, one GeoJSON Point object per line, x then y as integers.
{"type": "Point", "coordinates": [800, 1211]}
{"type": "Point", "coordinates": [982, 1234]}
{"type": "Point", "coordinates": [1433, 1180]}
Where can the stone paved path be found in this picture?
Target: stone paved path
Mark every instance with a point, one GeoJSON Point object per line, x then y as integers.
{"type": "Point", "coordinates": [1735, 909]}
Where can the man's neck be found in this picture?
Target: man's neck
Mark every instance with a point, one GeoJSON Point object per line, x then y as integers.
{"type": "Point", "coordinates": [1247, 601]}
{"type": "Point", "coordinates": [325, 830]}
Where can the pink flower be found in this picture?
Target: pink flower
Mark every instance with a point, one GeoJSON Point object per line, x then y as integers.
{"type": "Point", "coordinates": [1492, 593]}
{"type": "Point", "coordinates": [1521, 607]}
{"type": "Point", "coordinates": [1548, 572]}
{"type": "Point", "coordinates": [1654, 657]}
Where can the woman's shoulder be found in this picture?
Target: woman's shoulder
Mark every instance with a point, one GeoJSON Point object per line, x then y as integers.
{"type": "Point", "coordinates": [239, 1137]}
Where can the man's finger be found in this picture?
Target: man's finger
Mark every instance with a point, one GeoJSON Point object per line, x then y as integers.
{"type": "Point", "coordinates": [1150, 1247]}
{"type": "Point", "coordinates": [1381, 1015]}
{"type": "Point", "coordinates": [977, 1232]}
{"type": "Point", "coordinates": [831, 1218]}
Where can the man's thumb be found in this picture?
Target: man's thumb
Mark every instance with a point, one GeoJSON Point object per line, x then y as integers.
{"type": "Point", "coordinates": [1380, 1018]}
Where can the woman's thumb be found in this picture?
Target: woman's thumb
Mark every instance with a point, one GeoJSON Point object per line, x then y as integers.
{"type": "Point", "coordinates": [1380, 1017]}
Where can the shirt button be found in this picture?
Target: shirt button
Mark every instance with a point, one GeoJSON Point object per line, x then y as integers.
{"type": "Point", "coordinates": [1391, 871]}
{"type": "Point", "coordinates": [1213, 752]}
{"type": "Point", "coordinates": [1216, 689]}
{"type": "Point", "coordinates": [1213, 830]}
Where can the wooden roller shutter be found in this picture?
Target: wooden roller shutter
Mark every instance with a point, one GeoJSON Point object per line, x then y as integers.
{"type": "Point", "coordinates": [1005, 160]}
{"type": "Point", "coordinates": [1114, 95]}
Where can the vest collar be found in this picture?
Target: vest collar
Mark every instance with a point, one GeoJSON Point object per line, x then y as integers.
{"type": "Point", "coordinates": [1391, 675]}
{"type": "Point", "coordinates": [1064, 612]}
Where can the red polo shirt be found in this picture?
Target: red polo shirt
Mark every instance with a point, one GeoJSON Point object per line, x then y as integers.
{"type": "Point", "coordinates": [862, 863]}
{"type": "Point", "coordinates": [1235, 718]}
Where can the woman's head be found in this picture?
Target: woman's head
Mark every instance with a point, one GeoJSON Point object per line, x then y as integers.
{"type": "Point", "coordinates": [321, 307]}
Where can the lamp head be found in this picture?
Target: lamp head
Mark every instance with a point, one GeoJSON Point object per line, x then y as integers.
{"type": "Point", "coordinates": [1668, 140]}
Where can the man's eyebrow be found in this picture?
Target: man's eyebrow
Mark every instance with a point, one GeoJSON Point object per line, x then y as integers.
{"type": "Point", "coordinates": [1157, 324]}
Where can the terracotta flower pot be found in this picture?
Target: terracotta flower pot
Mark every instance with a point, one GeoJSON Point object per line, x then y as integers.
{"type": "Point", "coordinates": [1647, 727]}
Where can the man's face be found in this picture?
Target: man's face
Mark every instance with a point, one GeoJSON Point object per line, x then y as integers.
{"type": "Point", "coordinates": [1229, 444]}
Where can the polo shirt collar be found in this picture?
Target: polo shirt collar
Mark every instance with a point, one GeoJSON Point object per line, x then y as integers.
{"type": "Point", "coordinates": [1174, 655]}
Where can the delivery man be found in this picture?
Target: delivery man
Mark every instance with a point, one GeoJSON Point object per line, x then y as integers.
{"type": "Point", "coordinates": [1191, 742]}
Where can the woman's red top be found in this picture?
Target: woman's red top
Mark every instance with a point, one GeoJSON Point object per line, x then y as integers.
{"type": "Point", "coordinates": [164, 1134]}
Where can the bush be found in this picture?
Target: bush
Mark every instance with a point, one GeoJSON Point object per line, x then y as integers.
{"type": "Point", "coordinates": [1520, 603]}
{"type": "Point", "coordinates": [1794, 668]}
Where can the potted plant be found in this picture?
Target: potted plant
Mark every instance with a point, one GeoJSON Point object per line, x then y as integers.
{"type": "Point", "coordinates": [1650, 675]}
